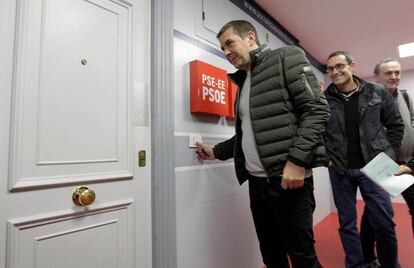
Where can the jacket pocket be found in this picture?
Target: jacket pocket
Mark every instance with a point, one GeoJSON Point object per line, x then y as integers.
{"type": "Point", "coordinates": [379, 143]}
{"type": "Point", "coordinates": [374, 102]}
{"type": "Point", "coordinates": [372, 114]}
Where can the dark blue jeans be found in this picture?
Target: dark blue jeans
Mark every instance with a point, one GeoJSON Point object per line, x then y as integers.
{"type": "Point", "coordinates": [284, 222]}
{"type": "Point", "coordinates": [367, 231]}
{"type": "Point", "coordinates": [344, 189]}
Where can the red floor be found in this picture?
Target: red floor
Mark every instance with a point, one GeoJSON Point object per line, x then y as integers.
{"type": "Point", "coordinates": [329, 247]}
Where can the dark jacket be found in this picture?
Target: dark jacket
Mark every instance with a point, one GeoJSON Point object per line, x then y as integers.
{"type": "Point", "coordinates": [410, 164]}
{"type": "Point", "coordinates": [287, 109]}
{"type": "Point", "coordinates": [380, 125]}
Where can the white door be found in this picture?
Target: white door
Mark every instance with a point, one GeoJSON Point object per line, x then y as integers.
{"type": "Point", "coordinates": [74, 108]}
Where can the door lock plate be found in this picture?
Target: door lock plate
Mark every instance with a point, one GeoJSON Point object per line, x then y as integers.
{"type": "Point", "coordinates": [142, 160]}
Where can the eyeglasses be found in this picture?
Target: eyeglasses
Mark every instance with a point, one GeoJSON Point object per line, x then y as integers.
{"type": "Point", "coordinates": [339, 67]}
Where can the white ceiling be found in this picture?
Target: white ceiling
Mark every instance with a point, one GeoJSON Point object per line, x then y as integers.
{"type": "Point", "coordinates": [369, 29]}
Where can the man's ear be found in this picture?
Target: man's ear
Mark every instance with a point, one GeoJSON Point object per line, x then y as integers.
{"type": "Point", "coordinates": [251, 38]}
{"type": "Point", "coordinates": [352, 65]}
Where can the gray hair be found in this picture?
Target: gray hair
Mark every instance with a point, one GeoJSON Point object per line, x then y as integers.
{"type": "Point", "coordinates": [377, 67]}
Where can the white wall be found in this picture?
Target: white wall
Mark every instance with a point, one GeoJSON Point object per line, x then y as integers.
{"type": "Point", "coordinates": [214, 225]}
{"type": "Point", "coordinates": [407, 82]}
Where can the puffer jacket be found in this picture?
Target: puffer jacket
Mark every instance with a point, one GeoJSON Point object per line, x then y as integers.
{"type": "Point", "coordinates": [380, 125]}
{"type": "Point", "coordinates": [288, 112]}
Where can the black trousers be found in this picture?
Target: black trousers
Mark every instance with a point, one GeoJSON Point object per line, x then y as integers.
{"type": "Point", "coordinates": [408, 195]}
{"type": "Point", "coordinates": [367, 231]}
{"type": "Point", "coordinates": [284, 222]}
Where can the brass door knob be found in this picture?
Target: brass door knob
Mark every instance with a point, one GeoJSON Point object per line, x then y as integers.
{"type": "Point", "coordinates": [83, 196]}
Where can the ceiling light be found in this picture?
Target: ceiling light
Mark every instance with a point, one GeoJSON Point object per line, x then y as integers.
{"type": "Point", "coordinates": [406, 50]}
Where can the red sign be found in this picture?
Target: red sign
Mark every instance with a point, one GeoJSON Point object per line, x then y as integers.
{"type": "Point", "coordinates": [233, 94]}
{"type": "Point", "coordinates": [209, 90]}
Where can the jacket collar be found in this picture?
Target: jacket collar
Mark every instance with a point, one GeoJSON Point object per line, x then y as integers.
{"type": "Point", "coordinates": [256, 56]}
{"type": "Point", "coordinates": [333, 91]}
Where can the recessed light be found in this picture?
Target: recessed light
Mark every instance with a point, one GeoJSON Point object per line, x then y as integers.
{"type": "Point", "coordinates": [406, 50]}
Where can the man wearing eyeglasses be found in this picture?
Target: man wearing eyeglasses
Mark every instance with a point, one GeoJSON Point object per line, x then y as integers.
{"type": "Point", "coordinates": [388, 73]}
{"type": "Point", "coordinates": [364, 122]}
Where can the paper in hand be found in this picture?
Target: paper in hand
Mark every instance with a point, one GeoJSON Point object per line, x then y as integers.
{"type": "Point", "coordinates": [381, 170]}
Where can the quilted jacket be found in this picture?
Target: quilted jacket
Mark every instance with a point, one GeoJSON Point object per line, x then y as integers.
{"type": "Point", "coordinates": [288, 112]}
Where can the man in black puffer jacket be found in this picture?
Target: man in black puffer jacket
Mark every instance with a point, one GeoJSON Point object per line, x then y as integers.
{"type": "Point", "coordinates": [281, 116]}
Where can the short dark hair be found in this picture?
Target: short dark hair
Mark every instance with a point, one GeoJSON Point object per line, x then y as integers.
{"type": "Point", "coordinates": [377, 67]}
{"type": "Point", "coordinates": [346, 54]}
{"type": "Point", "coordinates": [240, 27]}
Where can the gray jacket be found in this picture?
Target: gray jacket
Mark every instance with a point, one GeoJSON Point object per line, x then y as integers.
{"type": "Point", "coordinates": [380, 125]}
{"type": "Point", "coordinates": [406, 151]}
{"type": "Point", "coordinates": [288, 112]}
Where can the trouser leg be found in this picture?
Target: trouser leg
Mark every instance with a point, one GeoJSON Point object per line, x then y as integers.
{"type": "Point", "coordinates": [267, 227]}
{"type": "Point", "coordinates": [344, 189]}
{"type": "Point", "coordinates": [381, 218]}
{"type": "Point", "coordinates": [408, 195]}
{"type": "Point", "coordinates": [283, 221]}
{"type": "Point", "coordinates": [367, 235]}
{"type": "Point", "coordinates": [299, 214]}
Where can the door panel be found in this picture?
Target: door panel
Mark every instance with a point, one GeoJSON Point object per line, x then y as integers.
{"type": "Point", "coordinates": [71, 120]}
{"type": "Point", "coordinates": [71, 236]}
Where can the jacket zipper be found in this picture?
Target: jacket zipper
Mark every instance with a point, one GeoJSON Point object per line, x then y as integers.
{"type": "Point", "coordinates": [307, 86]}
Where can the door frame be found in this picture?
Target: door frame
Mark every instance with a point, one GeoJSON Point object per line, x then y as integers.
{"type": "Point", "coordinates": [162, 129]}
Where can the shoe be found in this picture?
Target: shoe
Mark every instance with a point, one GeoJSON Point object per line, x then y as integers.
{"type": "Point", "coordinates": [373, 264]}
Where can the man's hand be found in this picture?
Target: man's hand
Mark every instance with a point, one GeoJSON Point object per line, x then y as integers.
{"type": "Point", "coordinates": [404, 170]}
{"type": "Point", "coordinates": [293, 176]}
{"type": "Point", "coordinates": [205, 151]}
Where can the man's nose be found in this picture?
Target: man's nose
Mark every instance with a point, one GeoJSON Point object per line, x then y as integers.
{"type": "Point", "coordinates": [226, 52]}
{"type": "Point", "coordinates": [335, 71]}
